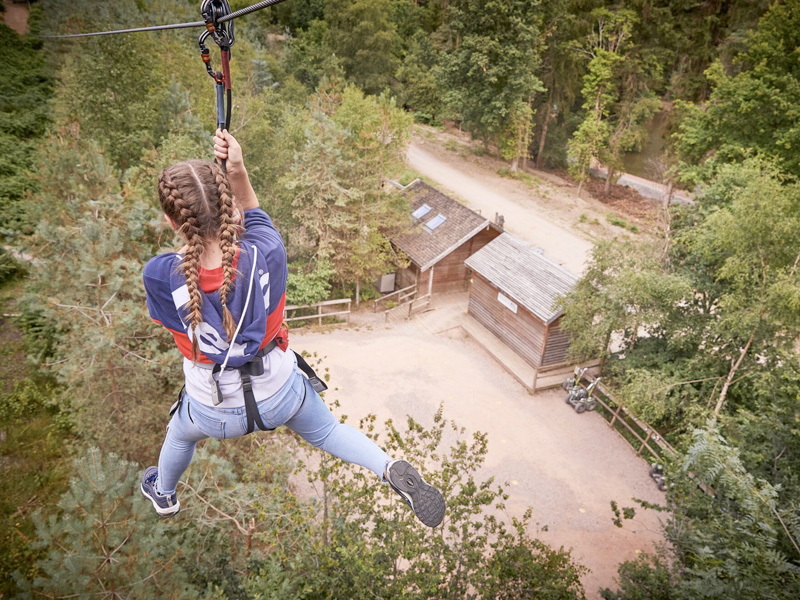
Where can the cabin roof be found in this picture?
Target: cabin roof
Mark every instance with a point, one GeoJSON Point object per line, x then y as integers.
{"type": "Point", "coordinates": [523, 274]}
{"type": "Point", "coordinates": [433, 238]}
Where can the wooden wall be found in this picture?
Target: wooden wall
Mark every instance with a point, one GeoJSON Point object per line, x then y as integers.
{"type": "Point", "coordinates": [557, 344]}
{"type": "Point", "coordinates": [406, 277]}
{"type": "Point", "coordinates": [450, 273]}
{"type": "Point", "coordinates": [538, 344]}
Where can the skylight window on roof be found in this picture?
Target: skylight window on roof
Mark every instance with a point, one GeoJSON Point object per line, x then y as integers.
{"type": "Point", "coordinates": [421, 212]}
{"type": "Point", "coordinates": [435, 222]}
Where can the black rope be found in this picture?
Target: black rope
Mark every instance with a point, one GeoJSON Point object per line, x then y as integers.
{"type": "Point", "coordinates": [239, 13]}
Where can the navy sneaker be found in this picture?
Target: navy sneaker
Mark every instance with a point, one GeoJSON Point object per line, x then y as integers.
{"type": "Point", "coordinates": [424, 499]}
{"type": "Point", "coordinates": [165, 506]}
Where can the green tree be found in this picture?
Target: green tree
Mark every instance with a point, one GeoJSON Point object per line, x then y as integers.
{"type": "Point", "coordinates": [421, 92]}
{"type": "Point", "coordinates": [617, 101]}
{"type": "Point", "coordinates": [345, 218]}
{"type": "Point", "coordinates": [91, 242]}
{"type": "Point", "coordinates": [730, 534]}
{"type": "Point", "coordinates": [489, 73]}
{"type": "Point", "coordinates": [23, 120]}
{"type": "Point", "coordinates": [105, 540]}
{"type": "Point", "coordinates": [363, 35]}
{"type": "Point", "coordinates": [753, 112]}
{"type": "Point", "coordinates": [370, 544]}
{"type": "Point", "coordinates": [696, 319]}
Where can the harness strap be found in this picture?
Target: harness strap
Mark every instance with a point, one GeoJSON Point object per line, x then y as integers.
{"type": "Point", "coordinates": [255, 366]}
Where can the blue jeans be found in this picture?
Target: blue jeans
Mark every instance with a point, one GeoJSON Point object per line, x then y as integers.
{"type": "Point", "coordinates": [296, 405]}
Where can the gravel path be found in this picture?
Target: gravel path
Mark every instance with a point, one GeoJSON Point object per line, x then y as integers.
{"type": "Point", "coordinates": [568, 467]}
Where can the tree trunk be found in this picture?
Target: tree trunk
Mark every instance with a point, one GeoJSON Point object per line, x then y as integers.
{"type": "Point", "coordinates": [609, 175]}
{"type": "Point", "coordinates": [731, 373]}
{"type": "Point", "coordinates": [668, 195]}
{"type": "Point", "coordinates": [515, 164]}
{"type": "Point", "coordinates": [543, 137]}
{"type": "Point", "coordinates": [580, 187]}
{"type": "Point", "coordinates": [358, 292]}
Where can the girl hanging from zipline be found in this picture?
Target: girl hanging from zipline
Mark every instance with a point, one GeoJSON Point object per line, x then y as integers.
{"type": "Point", "coordinates": [222, 297]}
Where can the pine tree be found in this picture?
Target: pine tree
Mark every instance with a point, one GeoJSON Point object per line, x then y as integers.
{"type": "Point", "coordinates": [93, 238]}
{"type": "Point", "coordinates": [106, 541]}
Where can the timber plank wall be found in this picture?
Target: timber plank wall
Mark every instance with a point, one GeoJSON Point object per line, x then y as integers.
{"type": "Point", "coordinates": [538, 344]}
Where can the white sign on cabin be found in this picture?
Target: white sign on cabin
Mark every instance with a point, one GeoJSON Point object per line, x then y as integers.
{"type": "Point", "coordinates": [507, 302]}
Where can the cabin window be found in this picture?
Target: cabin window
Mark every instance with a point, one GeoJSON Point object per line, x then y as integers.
{"type": "Point", "coordinates": [435, 222]}
{"type": "Point", "coordinates": [421, 212]}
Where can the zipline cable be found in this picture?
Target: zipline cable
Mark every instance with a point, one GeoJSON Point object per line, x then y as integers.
{"type": "Point", "coordinates": [239, 13]}
{"type": "Point", "coordinates": [218, 21]}
{"type": "Point", "coordinates": [133, 30]}
{"type": "Point", "coordinates": [249, 9]}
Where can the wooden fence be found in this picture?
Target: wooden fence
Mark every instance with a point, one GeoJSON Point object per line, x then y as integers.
{"type": "Point", "coordinates": [320, 310]}
{"type": "Point", "coordinates": [399, 296]}
{"type": "Point", "coordinates": [407, 309]}
{"type": "Point", "coordinates": [633, 430]}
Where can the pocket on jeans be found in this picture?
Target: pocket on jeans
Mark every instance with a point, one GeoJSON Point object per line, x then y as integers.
{"type": "Point", "coordinates": [208, 425]}
{"type": "Point", "coordinates": [276, 414]}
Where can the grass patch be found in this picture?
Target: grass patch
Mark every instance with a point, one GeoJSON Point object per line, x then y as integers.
{"type": "Point", "coordinates": [522, 176]}
{"type": "Point", "coordinates": [407, 177]}
{"type": "Point", "coordinates": [618, 222]}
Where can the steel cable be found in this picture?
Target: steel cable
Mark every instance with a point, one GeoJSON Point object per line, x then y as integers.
{"type": "Point", "coordinates": [133, 30]}
{"type": "Point", "coordinates": [239, 13]}
{"type": "Point", "coordinates": [249, 9]}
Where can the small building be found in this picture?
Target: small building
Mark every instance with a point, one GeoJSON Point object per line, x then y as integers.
{"type": "Point", "coordinates": [513, 291]}
{"type": "Point", "coordinates": [446, 233]}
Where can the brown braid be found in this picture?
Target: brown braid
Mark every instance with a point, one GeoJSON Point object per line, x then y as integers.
{"type": "Point", "coordinates": [194, 194]}
{"type": "Point", "coordinates": [227, 242]}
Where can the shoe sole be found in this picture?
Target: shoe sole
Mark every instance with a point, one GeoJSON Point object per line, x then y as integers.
{"type": "Point", "coordinates": [425, 500]}
{"type": "Point", "coordinates": [163, 513]}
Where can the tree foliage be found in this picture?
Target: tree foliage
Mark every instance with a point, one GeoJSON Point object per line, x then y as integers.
{"type": "Point", "coordinates": [753, 109]}
{"type": "Point", "coordinates": [490, 69]}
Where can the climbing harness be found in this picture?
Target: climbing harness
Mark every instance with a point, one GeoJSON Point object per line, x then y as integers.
{"type": "Point", "coordinates": [255, 366]}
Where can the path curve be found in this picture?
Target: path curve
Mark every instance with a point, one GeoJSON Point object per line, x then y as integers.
{"type": "Point", "coordinates": [487, 192]}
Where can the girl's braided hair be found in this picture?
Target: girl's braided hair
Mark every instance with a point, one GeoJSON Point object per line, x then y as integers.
{"type": "Point", "coordinates": [196, 196]}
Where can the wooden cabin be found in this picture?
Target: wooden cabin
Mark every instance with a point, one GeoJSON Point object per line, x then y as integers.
{"type": "Point", "coordinates": [445, 234]}
{"type": "Point", "coordinates": [512, 294]}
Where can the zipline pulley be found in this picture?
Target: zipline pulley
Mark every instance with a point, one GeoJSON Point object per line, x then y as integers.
{"type": "Point", "coordinates": [223, 35]}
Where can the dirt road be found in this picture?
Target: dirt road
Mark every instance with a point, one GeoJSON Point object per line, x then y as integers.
{"type": "Point", "coordinates": [16, 16]}
{"type": "Point", "coordinates": [567, 467]}
{"type": "Point", "coordinates": [485, 191]}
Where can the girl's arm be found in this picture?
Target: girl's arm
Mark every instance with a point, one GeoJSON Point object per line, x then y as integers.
{"type": "Point", "coordinates": [227, 148]}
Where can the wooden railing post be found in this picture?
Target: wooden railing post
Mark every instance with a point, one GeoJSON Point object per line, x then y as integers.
{"type": "Point", "coordinates": [644, 443]}
{"type": "Point", "coordinates": [616, 414]}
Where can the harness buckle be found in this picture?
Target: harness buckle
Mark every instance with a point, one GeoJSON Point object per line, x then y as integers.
{"type": "Point", "coordinates": [317, 383]}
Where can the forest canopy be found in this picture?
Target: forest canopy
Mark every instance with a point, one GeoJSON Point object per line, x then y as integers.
{"type": "Point", "coordinates": [698, 325]}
